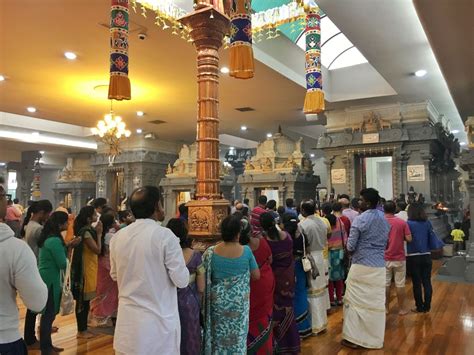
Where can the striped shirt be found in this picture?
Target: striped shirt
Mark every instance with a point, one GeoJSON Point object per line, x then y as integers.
{"type": "Point", "coordinates": [368, 239]}
{"type": "Point", "coordinates": [255, 219]}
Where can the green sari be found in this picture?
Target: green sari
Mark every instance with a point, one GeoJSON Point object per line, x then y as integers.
{"type": "Point", "coordinates": [226, 312]}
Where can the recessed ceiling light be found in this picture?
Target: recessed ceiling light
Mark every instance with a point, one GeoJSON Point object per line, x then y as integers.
{"type": "Point", "coordinates": [35, 134]}
{"type": "Point", "coordinates": [231, 148]}
{"type": "Point", "coordinates": [420, 73]}
{"type": "Point", "coordinates": [269, 135]}
{"type": "Point", "coordinates": [70, 55]}
{"type": "Point", "coordinates": [41, 151]}
{"type": "Point", "coordinates": [455, 131]}
{"type": "Point", "coordinates": [2, 78]}
{"type": "Point", "coordinates": [462, 143]}
{"type": "Point", "coordinates": [225, 70]}
{"type": "Point", "coordinates": [312, 155]}
{"type": "Point", "coordinates": [31, 109]}
{"type": "Point", "coordinates": [243, 128]}
{"type": "Point", "coordinates": [140, 113]}
{"type": "Point", "coordinates": [139, 131]}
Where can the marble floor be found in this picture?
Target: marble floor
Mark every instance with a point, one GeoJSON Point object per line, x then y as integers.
{"type": "Point", "coordinates": [447, 329]}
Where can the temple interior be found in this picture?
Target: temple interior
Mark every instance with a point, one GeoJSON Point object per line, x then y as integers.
{"type": "Point", "coordinates": [219, 103]}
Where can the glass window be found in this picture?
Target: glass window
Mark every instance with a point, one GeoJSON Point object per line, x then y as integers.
{"type": "Point", "coordinates": [349, 58]}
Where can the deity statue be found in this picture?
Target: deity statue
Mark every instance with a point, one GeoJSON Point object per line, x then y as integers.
{"type": "Point", "coordinates": [267, 165]}
{"type": "Point", "coordinates": [249, 165]}
{"type": "Point", "coordinates": [169, 169]}
{"type": "Point", "coordinates": [290, 163]}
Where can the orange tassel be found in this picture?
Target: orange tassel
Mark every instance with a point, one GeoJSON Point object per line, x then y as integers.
{"type": "Point", "coordinates": [314, 102]}
{"type": "Point", "coordinates": [241, 62]}
{"type": "Point", "coordinates": [119, 88]}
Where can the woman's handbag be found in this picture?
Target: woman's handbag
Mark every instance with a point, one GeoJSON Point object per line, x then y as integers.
{"type": "Point", "coordinates": [434, 242]}
{"type": "Point", "coordinates": [67, 300]}
{"type": "Point", "coordinates": [346, 262]}
{"type": "Point", "coordinates": [309, 265]}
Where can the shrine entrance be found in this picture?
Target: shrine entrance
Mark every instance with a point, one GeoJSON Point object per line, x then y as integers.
{"type": "Point", "coordinates": [376, 172]}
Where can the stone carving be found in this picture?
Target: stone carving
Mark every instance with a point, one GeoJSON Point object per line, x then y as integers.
{"type": "Point", "coordinates": [219, 216]}
{"type": "Point", "coordinates": [199, 220]}
{"type": "Point", "coordinates": [279, 154]}
{"type": "Point", "coordinates": [72, 173]}
{"type": "Point", "coordinates": [371, 123]}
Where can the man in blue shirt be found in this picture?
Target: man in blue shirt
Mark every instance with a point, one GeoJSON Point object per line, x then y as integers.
{"type": "Point", "coordinates": [364, 301]}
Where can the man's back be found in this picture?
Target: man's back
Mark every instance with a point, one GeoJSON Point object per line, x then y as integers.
{"type": "Point", "coordinates": [315, 230]}
{"type": "Point", "coordinates": [148, 264]}
{"type": "Point", "coordinates": [255, 219]}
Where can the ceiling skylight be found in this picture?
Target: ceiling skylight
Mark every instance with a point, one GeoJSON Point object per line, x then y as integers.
{"type": "Point", "coordinates": [336, 49]}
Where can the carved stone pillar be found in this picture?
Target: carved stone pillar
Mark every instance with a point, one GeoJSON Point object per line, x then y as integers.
{"type": "Point", "coordinates": [329, 161]}
{"type": "Point", "coordinates": [208, 28]}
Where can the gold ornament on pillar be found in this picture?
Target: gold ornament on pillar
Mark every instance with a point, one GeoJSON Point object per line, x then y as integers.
{"type": "Point", "coordinates": [111, 131]}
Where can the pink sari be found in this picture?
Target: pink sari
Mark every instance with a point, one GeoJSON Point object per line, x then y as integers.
{"type": "Point", "coordinates": [104, 306]}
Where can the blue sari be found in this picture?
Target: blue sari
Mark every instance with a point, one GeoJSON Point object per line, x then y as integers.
{"type": "Point", "coordinates": [226, 312]}
{"type": "Point", "coordinates": [301, 304]}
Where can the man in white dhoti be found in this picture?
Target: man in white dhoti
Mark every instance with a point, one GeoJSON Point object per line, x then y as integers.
{"type": "Point", "coordinates": [148, 264]}
{"type": "Point", "coordinates": [315, 232]}
{"type": "Point", "coordinates": [364, 301]}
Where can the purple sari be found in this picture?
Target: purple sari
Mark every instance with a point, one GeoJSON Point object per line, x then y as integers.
{"type": "Point", "coordinates": [189, 308]}
{"type": "Point", "coordinates": [285, 331]}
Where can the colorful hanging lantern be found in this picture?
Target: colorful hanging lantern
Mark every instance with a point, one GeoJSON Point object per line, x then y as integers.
{"type": "Point", "coordinates": [314, 100]}
{"type": "Point", "coordinates": [241, 53]}
{"type": "Point", "coordinates": [119, 85]}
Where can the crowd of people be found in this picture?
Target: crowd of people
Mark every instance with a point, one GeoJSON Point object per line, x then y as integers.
{"type": "Point", "coordinates": [270, 283]}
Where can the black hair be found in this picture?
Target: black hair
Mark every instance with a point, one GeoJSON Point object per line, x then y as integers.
{"type": "Point", "coordinates": [281, 210]}
{"type": "Point", "coordinates": [416, 212]}
{"type": "Point", "coordinates": [245, 211]}
{"type": "Point", "coordinates": [52, 227]}
{"type": "Point", "coordinates": [35, 207]}
{"type": "Point", "coordinates": [326, 208]}
{"type": "Point", "coordinates": [230, 228]}
{"type": "Point", "coordinates": [99, 202]}
{"type": "Point", "coordinates": [457, 225]}
{"type": "Point", "coordinates": [183, 209]}
{"type": "Point", "coordinates": [355, 202]}
{"type": "Point", "coordinates": [290, 223]}
{"type": "Point", "coordinates": [107, 222]}
{"type": "Point", "coordinates": [15, 200]}
{"type": "Point", "coordinates": [177, 226]}
{"type": "Point", "coordinates": [122, 215]}
{"type": "Point", "coordinates": [82, 218]}
{"type": "Point", "coordinates": [9, 202]}
{"type": "Point", "coordinates": [337, 207]}
{"type": "Point", "coordinates": [346, 196]}
{"type": "Point", "coordinates": [332, 219]}
{"type": "Point", "coordinates": [262, 200]}
{"type": "Point", "coordinates": [271, 204]}
{"type": "Point", "coordinates": [402, 205]}
{"type": "Point", "coordinates": [289, 202]}
{"type": "Point", "coordinates": [389, 207]}
{"type": "Point", "coordinates": [245, 231]}
{"type": "Point", "coordinates": [246, 201]}
{"type": "Point", "coordinates": [267, 222]}
{"type": "Point", "coordinates": [308, 207]}
{"type": "Point", "coordinates": [107, 210]}
{"type": "Point", "coordinates": [371, 196]}
{"type": "Point", "coordinates": [144, 200]}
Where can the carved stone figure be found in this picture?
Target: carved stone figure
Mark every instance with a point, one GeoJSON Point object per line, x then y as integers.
{"type": "Point", "coordinates": [249, 165]}
{"type": "Point", "coordinates": [169, 169]}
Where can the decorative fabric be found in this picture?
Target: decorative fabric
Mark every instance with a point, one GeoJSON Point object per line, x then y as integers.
{"type": "Point", "coordinates": [364, 306]}
{"type": "Point", "coordinates": [119, 85]}
{"type": "Point", "coordinates": [226, 307]}
{"type": "Point", "coordinates": [301, 304]}
{"type": "Point", "coordinates": [260, 335]}
{"type": "Point", "coordinates": [285, 330]}
{"type": "Point", "coordinates": [241, 52]}
{"type": "Point", "coordinates": [318, 295]}
{"type": "Point", "coordinates": [314, 100]}
{"type": "Point", "coordinates": [189, 310]}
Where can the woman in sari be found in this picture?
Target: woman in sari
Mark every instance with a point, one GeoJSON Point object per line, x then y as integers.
{"type": "Point", "coordinates": [105, 305]}
{"type": "Point", "coordinates": [260, 336]}
{"type": "Point", "coordinates": [285, 330]}
{"type": "Point", "coordinates": [336, 244]}
{"type": "Point", "coordinates": [84, 266]}
{"type": "Point", "coordinates": [189, 297]}
{"type": "Point", "coordinates": [229, 267]}
{"type": "Point", "coordinates": [301, 304]}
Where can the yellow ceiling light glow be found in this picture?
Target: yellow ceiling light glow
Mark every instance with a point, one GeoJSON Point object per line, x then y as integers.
{"type": "Point", "coordinates": [2, 78]}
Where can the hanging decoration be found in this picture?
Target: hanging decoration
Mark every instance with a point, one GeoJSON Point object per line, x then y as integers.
{"type": "Point", "coordinates": [314, 99]}
{"type": "Point", "coordinates": [110, 131]}
{"type": "Point", "coordinates": [119, 85]}
{"type": "Point", "coordinates": [36, 184]}
{"type": "Point", "coordinates": [241, 53]}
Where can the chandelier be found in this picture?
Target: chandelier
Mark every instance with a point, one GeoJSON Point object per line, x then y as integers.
{"type": "Point", "coordinates": [110, 131]}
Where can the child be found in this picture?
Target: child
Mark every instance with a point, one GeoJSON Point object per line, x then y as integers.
{"type": "Point", "coordinates": [125, 218]}
{"type": "Point", "coordinates": [458, 237]}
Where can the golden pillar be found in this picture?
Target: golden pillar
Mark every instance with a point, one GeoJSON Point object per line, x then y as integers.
{"type": "Point", "coordinates": [208, 27]}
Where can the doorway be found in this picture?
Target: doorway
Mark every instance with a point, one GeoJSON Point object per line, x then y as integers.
{"type": "Point", "coordinates": [376, 172]}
